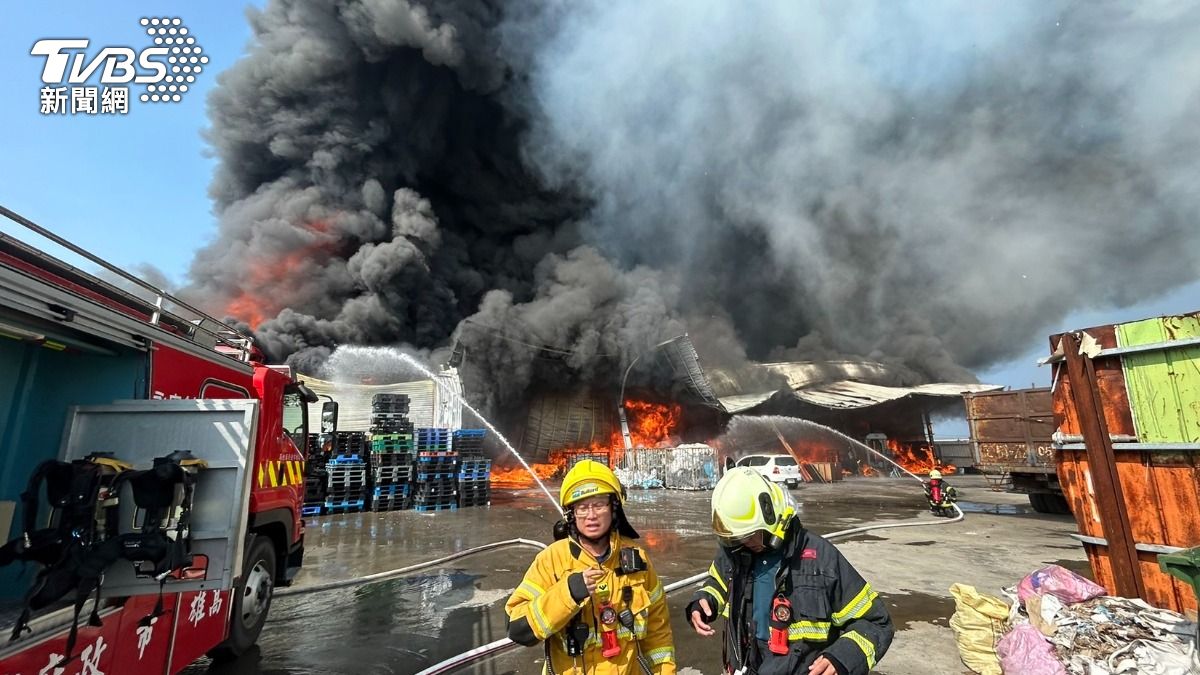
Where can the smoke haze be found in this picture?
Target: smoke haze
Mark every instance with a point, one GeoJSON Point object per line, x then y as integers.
{"type": "Point", "coordinates": [561, 186]}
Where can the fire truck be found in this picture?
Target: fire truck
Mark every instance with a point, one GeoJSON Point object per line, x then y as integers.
{"type": "Point", "coordinates": [120, 366]}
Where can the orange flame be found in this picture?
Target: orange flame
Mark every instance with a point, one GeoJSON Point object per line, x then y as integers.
{"type": "Point", "coordinates": [917, 458]}
{"type": "Point", "coordinates": [651, 425]}
{"type": "Point", "coordinates": [258, 297]}
{"type": "Point", "coordinates": [518, 477]}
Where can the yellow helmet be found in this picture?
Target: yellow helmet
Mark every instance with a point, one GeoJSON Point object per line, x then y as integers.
{"type": "Point", "coordinates": [588, 479]}
{"type": "Point", "coordinates": [745, 502]}
{"type": "Point", "coordinates": [935, 474]}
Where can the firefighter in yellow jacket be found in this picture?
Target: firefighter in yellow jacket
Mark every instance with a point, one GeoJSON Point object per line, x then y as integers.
{"type": "Point", "coordinates": [592, 596]}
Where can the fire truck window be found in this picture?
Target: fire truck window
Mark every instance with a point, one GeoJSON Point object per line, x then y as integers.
{"type": "Point", "coordinates": [293, 417]}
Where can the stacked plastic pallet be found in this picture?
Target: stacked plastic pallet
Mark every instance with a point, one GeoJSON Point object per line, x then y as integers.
{"type": "Point", "coordinates": [392, 458]}
{"type": "Point", "coordinates": [468, 443]}
{"type": "Point", "coordinates": [389, 415]}
{"type": "Point", "coordinates": [436, 480]}
{"type": "Point", "coordinates": [473, 480]}
{"type": "Point", "coordinates": [316, 479]}
{"type": "Point", "coordinates": [347, 473]}
{"type": "Point", "coordinates": [350, 444]}
{"type": "Point", "coordinates": [392, 453]}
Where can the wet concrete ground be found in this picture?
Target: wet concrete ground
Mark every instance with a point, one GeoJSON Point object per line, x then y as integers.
{"type": "Point", "coordinates": [404, 625]}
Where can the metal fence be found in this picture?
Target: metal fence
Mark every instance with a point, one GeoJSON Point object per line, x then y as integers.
{"type": "Point", "coordinates": [687, 467]}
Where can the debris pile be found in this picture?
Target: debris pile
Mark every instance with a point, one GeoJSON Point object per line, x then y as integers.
{"type": "Point", "coordinates": [1059, 623]}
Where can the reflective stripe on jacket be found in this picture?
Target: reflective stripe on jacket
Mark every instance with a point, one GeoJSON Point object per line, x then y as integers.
{"type": "Point", "coordinates": [834, 610]}
{"type": "Point", "coordinates": [543, 606]}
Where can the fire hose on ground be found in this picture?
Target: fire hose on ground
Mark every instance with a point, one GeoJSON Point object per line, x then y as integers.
{"type": "Point", "coordinates": [504, 644]}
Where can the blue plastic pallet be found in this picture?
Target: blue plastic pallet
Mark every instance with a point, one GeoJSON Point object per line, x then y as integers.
{"type": "Point", "coordinates": [435, 507]}
{"type": "Point", "coordinates": [343, 507]}
{"type": "Point", "coordinates": [468, 433]}
{"type": "Point", "coordinates": [315, 510]}
{"type": "Point", "coordinates": [347, 459]}
{"type": "Point", "coordinates": [391, 491]}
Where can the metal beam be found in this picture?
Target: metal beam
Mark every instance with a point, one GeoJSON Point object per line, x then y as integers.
{"type": "Point", "coordinates": [1110, 500]}
{"type": "Point", "coordinates": [1132, 349]}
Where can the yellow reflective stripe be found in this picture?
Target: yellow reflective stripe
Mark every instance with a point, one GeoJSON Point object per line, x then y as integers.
{"type": "Point", "coordinates": [537, 590]}
{"type": "Point", "coordinates": [657, 593]}
{"type": "Point", "coordinates": [712, 572]}
{"type": "Point", "coordinates": [540, 618]}
{"type": "Point", "coordinates": [296, 477]}
{"type": "Point", "coordinates": [529, 590]}
{"type": "Point", "coordinates": [809, 630]}
{"type": "Point", "coordinates": [717, 598]}
{"type": "Point", "coordinates": [856, 607]}
{"type": "Point", "coordinates": [271, 474]}
{"type": "Point", "coordinates": [661, 655]}
{"type": "Point", "coordinates": [868, 649]}
{"type": "Point", "coordinates": [262, 477]}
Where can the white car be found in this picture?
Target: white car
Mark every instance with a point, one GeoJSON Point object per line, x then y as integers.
{"type": "Point", "coordinates": [777, 468]}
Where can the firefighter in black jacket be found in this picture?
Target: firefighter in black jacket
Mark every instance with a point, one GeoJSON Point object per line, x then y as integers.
{"type": "Point", "coordinates": [792, 603]}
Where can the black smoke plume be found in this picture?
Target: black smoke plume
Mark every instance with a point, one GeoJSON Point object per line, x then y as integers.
{"type": "Point", "coordinates": [560, 186]}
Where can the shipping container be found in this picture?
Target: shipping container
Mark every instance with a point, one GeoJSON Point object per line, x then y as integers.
{"type": "Point", "coordinates": [1011, 438]}
{"type": "Point", "coordinates": [1133, 392]}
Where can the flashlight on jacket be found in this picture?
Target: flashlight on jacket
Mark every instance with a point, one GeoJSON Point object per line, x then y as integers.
{"type": "Point", "coordinates": [609, 647]}
{"type": "Point", "coordinates": [781, 618]}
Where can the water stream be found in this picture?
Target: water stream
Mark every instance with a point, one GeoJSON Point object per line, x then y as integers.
{"type": "Point", "coordinates": [410, 361]}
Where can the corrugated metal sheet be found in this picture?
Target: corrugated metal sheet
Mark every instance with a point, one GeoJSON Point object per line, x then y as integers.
{"type": "Point", "coordinates": [736, 404]}
{"type": "Point", "coordinates": [681, 354]}
{"type": "Point", "coordinates": [354, 402]}
{"type": "Point", "coordinates": [1160, 381]}
{"type": "Point", "coordinates": [562, 420]}
{"type": "Point", "coordinates": [838, 385]}
{"type": "Point", "coordinates": [849, 395]}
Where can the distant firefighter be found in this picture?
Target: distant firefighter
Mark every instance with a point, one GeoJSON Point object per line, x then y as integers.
{"type": "Point", "coordinates": [940, 494]}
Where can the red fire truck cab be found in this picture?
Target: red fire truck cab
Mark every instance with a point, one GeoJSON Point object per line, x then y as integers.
{"type": "Point", "coordinates": [87, 365]}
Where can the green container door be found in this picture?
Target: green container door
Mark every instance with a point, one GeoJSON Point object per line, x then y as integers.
{"type": "Point", "coordinates": [1163, 385]}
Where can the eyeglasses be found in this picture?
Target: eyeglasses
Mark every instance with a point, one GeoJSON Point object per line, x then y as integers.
{"type": "Point", "coordinates": [585, 509]}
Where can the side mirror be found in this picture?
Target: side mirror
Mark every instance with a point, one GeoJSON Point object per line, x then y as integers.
{"type": "Point", "coordinates": [307, 395]}
{"type": "Point", "coordinates": [329, 417]}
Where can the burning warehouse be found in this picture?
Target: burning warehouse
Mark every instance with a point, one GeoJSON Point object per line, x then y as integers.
{"type": "Point", "coordinates": [847, 400]}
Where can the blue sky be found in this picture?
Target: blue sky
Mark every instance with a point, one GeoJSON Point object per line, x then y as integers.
{"type": "Point", "coordinates": [131, 188]}
{"type": "Point", "coordinates": [134, 188]}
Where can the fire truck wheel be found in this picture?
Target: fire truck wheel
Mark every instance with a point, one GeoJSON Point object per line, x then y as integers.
{"type": "Point", "coordinates": [252, 600]}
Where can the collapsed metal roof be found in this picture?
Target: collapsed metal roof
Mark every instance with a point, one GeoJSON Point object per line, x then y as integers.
{"type": "Point", "coordinates": [834, 385]}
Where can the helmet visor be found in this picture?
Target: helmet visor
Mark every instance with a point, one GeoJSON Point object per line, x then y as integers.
{"type": "Point", "coordinates": [727, 537]}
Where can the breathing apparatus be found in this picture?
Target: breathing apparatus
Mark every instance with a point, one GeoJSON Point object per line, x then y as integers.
{"type": "Point", "coordinates": [83, 537]}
